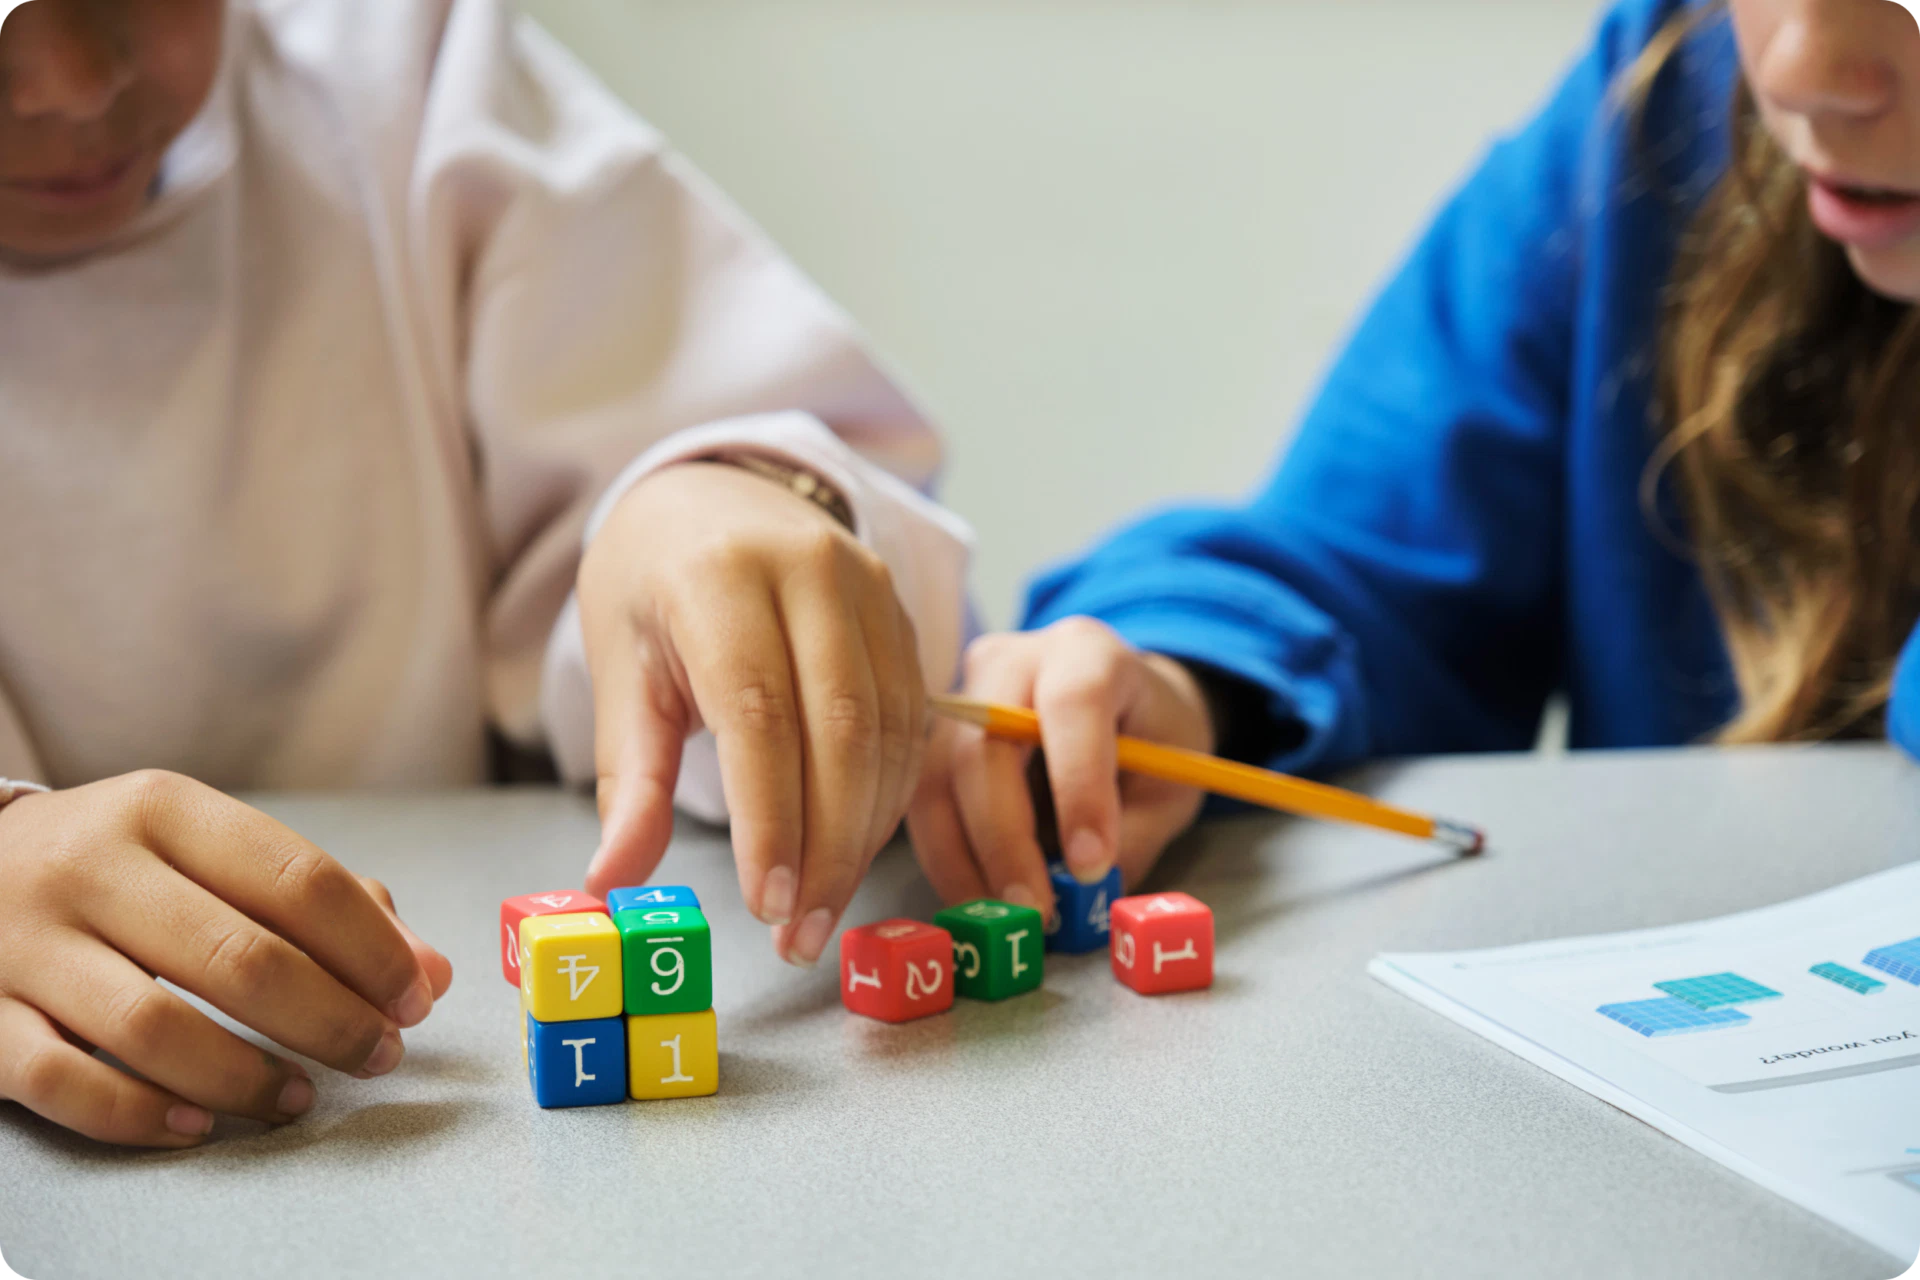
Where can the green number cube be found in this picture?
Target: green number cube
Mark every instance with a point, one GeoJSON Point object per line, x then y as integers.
{"type": "Point", "coordinates": [666, 958]}
{"type": "Point", "coordinates": [999, 950]}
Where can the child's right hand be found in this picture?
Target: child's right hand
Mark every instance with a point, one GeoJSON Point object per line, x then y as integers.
{"type": "Point", "coordinates": [973, 822]}
{"type": "Point", "coordinates": [106, 887]}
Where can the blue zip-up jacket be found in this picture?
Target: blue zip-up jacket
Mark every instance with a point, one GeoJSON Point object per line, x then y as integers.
{"type": "Point", "coordinates": [1457, 531]}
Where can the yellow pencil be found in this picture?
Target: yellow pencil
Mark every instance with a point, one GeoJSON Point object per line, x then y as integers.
{"type": "Point", "coordinates": [1228, 778]}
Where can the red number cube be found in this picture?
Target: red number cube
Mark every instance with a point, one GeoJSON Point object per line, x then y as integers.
{"type": "Point", "coordinates": [897, 970]}
{"type": "Point", "coordinates": [514, 910]}
{"type": "Point", "coordinates": [1162, 942]}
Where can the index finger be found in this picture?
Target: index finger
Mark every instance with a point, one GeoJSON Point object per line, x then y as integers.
{"type": "Point", "coordinates": [1086, 679]}
{"type": "Point", "coordinates": [736, 661]}
{"type": "Point", "coordinates": [288, 884]}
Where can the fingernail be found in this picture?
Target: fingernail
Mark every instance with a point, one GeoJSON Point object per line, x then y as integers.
{"type": "Point", "coordinates": [777, 894]}
{"type": "Point", "coordinates": [385, 1057]}
{"type": "Point", "coordinates": [189, 1121]}
{"type": "Point", "coordinates": [412, 1008]}
{"type": "Point", "coordinates": [296, 1097]}
{"type": "Point", "coordinates": [1087, 856]}
{"type": "Point", "coordinates": [1020, 896]}
{"type": "Point", "coordinates": [810, 939]}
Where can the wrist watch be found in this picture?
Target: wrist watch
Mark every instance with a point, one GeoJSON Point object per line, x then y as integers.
{"type": "Point", "coordinates": [798, 481]}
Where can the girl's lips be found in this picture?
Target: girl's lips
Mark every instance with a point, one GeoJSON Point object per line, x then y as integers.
{"type": "Point", "coordinates": [77, 191]}
{"type": "Point", "coordinates": [1861, 219]}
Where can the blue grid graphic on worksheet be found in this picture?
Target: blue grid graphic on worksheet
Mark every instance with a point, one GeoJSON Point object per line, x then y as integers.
{"type": "Point", "coordinates": [1845, 977]}
{"type": "Point", "coordinates": [1902, 960]}
{"type": "Point", "coordinates": [1670, 1017]}
{"type": "Point", "coordinates": [1716, 990]}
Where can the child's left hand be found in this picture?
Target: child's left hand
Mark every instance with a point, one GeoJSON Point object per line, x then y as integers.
{"type": "Point", "coordinates": [713, 597]}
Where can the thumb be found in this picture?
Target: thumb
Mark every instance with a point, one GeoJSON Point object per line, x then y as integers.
{"type": "Point", "coordinates": [641, 723]}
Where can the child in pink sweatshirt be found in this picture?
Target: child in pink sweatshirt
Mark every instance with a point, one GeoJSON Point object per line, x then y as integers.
{"type": "Point", "coordinates": [331, 332]}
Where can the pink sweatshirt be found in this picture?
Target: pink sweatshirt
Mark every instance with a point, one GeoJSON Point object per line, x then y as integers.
{"type": "Point", "coordinates": [294, 476]}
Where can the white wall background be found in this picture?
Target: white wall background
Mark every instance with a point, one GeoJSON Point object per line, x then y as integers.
{"type": "Point", "coordinates": [1110, 243]}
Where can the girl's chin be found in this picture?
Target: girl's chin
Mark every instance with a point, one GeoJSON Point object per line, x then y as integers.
{"type": "Point", "coordinates": [37, 240]}
{"type": "Point", "coordinates": [1892, 273]}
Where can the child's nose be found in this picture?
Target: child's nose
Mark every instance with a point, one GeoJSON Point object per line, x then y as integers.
{"type": "Point", "coordinates": [1824, 59]}
{"type": "Point", "coordinates": [62, 59]}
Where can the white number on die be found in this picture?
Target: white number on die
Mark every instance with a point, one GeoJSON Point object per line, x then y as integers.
{"type": "Point", "coordinates": [673, 1046]}
{"type": "Point", "coordinates": [1013, 945]}
{"type": "Point", "coordinates": [919, 986]}
{"type": "Point", "coordinates": [1186, 952]}
{"type": "Point", "coordinates": [676, 965]}
{"type": "Point", "coordinates": [969, 954]}
{"type": "Point", "coordinates": [579, 976]}
{"type": "Point", "coordinates": [579, 1047]}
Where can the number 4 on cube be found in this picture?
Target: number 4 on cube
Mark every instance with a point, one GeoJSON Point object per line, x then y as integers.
{"type": "Point", "coordinates": [896, 970]}
{"type": "Point", "coordinates": [1163, 942]}
{"type": "Point", "coordinates": [527, 905]}
{"type": "Point", "coordinates": [1081, 911]}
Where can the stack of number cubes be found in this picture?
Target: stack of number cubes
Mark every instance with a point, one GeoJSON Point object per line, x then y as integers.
{"type": "Point", "coordinates": [616, 997]}
{"type": "Point", "coordinates": [899, 970]}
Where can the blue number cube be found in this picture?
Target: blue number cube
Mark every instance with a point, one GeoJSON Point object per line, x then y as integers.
{"type": "Point", "coordinates": [1080, 923]}
{"type": "Point", "coordinates": [577, 1064]}
{"type": "Point", "coordinates": [652, 895]}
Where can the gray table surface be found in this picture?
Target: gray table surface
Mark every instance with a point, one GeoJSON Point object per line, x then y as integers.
{"type": "Point", "coordinates": [1298, 1119]}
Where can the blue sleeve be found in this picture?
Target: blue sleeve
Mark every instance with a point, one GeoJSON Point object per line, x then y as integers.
{"type": "Point", "coordinates": [1903, 715]}
{"type": "Point", "coordinates": [1394, 589]}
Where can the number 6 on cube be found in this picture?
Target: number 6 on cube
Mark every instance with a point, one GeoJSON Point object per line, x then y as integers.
{"type": "Point", "coordinates": [667, 960]}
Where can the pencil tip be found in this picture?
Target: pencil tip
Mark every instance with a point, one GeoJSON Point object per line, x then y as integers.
{"type": "Point", "coordinates": [1468, 842]}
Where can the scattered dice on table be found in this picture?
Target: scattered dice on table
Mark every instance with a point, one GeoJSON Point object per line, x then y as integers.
{"type": "Point", "coordinates": [1162, 942]}
{"type": "Point", "coordinates": [896, 970]}
{"type": "Point", "coordinates": [1081, 911]}
{"type": "Point", "coordinates": [998, 948]}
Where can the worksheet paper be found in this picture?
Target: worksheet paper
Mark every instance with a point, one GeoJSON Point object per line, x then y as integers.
{"type": "Point", "coordinates": [1783, 1042]}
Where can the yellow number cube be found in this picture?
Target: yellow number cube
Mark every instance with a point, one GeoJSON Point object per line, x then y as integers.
{"type": "Point", "coordinates": [570, 967]}
{"type": "Point", "coordinates": [673, 1055]}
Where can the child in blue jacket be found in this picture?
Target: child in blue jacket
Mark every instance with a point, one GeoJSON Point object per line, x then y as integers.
{"type": "Point", "coordinates": [1634, 423]}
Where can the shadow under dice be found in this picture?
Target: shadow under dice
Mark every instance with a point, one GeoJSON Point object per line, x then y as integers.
{"type": "Point", "coordinates": [668, 960]}
{"type": "Point", "coordinates": [896, 970]}
{"type": "Point", "coordinates": [1163, 942]}
{"type": "Point", "coordinates": [998, 948]}
{"type": "Point", "coordinates": [1081, 910]}
{"type": "Point", "coordinates": [577, 1064]}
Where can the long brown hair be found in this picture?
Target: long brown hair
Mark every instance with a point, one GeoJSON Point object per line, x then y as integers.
{"type": "Point", "coordinates": [1790, 400]}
